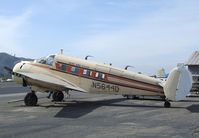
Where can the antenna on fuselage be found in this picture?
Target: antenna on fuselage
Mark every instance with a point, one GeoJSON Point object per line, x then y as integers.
{"type": "Point", "coordinates": [62, 51]}
{"type": "Point", "coordinates": [128, 67]}
{"type": "Point", "coordinates": [88, 57]}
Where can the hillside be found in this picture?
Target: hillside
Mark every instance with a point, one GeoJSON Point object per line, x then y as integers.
{"type": "Point", "coordinates": [9, 61]}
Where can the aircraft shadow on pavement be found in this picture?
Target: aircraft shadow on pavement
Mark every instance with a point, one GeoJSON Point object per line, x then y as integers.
{"type": "Point", "coordinates": [81, 108]}
{"type": "Point", "coordinates": [78, 109]}
{"type": "Point", "coordinates": [193, 101]}
{"type": "Point", "coordinates": [148, 99]}
{"type": "Point", "coordinates": [194, 108]}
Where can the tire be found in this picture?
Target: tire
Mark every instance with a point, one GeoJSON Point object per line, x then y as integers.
{"type": "Point", "coordinates": [163, 97]}
{"type": "Point", "coordinates": [127, 96]}
{"type": "Point", "coordinates": [167, 104]}
{"type": "Point", "coordinates": [30, 99]}
{"type": "Point", "coordinates": [58, 96]}
{"type": "Point", "coordinates": [135, 97]}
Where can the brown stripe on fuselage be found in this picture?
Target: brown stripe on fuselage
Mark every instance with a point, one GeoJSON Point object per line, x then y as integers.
{"type": "Point", "coordinates": [135, 84]}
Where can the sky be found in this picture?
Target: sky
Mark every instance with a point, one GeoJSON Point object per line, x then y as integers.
{"type": "Point", "coordinates": [147, 34]}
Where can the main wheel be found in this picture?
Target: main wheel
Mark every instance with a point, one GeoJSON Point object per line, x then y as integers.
{"type": "Point", "coordinates": [30, 99]}
{"type": "Point", "coordinates": [58, 96]}
{"type": "Point", "coordinates": [135, 97]}
{"type": "Point", "coordinates": [163, 97]}
{"type": "Point", "coordinates": [128, 96]}
{"type": "Point", "coordinates": [167, 104]}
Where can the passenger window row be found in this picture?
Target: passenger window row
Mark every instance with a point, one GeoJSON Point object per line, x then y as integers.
{"type": "Point", "coordinates": [80, 71]}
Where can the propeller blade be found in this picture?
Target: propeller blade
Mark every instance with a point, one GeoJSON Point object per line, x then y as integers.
{"type": "Point", "coordinates": [8, 69]}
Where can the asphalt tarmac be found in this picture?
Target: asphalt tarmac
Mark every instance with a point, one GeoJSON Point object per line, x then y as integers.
{"type": "Point", "coordinates": [95, 116]}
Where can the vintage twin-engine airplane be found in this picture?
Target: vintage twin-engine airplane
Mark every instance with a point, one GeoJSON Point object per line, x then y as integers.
{"type": "Point", "coordinates": [59, 73]}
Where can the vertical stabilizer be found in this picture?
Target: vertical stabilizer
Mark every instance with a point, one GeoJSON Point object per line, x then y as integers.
{"type": "Point", "coordinates": [178, 84]}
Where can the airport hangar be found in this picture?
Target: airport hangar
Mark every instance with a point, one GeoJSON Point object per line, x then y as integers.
{"type": "Point", "coordinates": [193, 66]}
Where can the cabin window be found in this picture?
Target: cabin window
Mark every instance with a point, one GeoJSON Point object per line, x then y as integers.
{"type": "Point", "coordinates": [92, 74]}
{"type": "Point", "coordinates": [103, 76]}
{"type": "Point", "coordinates": [57, 65]}
{"type": "Point", "coordinates": [100, 75]}
{"type": "Point", "coordinates": [74, 70]}
{"type": "Point", "coordinates": [86, 72]}
{"type": "Point", "coordinates": [63, 67]}
{"type": "Point", "coordinates": [80, 71]}
{"type": "Point", "coordinates": [97, 74]}
{"type": "Point", "coordinates": [68, 69]}
{"type": "Point", "coordinates": [50, 60]}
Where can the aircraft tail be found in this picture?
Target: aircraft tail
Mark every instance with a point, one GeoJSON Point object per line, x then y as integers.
{"type": "Point", "coordinates": [178, 84]}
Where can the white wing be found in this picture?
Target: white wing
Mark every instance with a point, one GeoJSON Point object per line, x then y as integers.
{"type": "Point", "coordinates": [49, 81]}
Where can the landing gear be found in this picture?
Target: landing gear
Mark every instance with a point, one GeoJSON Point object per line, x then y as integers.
{"type": "Point", "coordinates": [58, 96]}
{"type": "Point", "coordinates": [31, 99]}
{"type": "Point", "coordinates": [163, 97]}
{"type": "Point", "coordinates": [49, 95]}
{"type": "Point", "coordinates": [167, 104]}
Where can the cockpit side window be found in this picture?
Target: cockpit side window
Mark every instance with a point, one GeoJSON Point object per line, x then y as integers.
{"type": "Point", "coordinates": [47, 60]}
{"type": "Point", "coordinates": [50, 59]}
{"type": "Point", "coordinates": [41, 60]}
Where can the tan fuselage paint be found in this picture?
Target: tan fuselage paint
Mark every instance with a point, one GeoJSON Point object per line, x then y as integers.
{"type": "Point", "coordinates": [115, 80]}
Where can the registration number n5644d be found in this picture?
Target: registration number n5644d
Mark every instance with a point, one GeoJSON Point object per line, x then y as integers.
{"type": "Point", "coordinates": [105, 87]}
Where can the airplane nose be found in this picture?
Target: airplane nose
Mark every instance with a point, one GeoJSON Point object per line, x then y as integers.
{"type": "Point", "coordinates": [21, 67]}
{"type": "Point", "coordinates": [17, 67]}
{"type": "Point", "coordinates": [16, 77]}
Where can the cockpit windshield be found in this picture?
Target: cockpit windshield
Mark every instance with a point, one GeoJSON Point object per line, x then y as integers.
{"type": "Point", "coordinates": [46, 60]}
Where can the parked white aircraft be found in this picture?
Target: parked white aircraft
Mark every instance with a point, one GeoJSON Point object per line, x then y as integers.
{"type": "Point", "coordinates": [59, 73]}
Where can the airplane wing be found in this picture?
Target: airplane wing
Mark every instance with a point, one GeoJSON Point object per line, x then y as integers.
{"type": "Point", "coordinates": [49, 81]}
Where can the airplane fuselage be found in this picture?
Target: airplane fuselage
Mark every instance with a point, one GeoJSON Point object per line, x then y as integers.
{"type": "Point", "coordinates": [92, 77]}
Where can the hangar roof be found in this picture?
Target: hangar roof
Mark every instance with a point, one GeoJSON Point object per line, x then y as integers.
{"type": "Point", "coordinates": [194, 59]}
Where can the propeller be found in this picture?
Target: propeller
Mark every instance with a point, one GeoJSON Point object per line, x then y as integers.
{"type": "Point", "coordinates": [9, 70]}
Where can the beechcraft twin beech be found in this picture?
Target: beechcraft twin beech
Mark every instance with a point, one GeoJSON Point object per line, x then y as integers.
{"type": "Point", "coordinates": [59, 73]}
